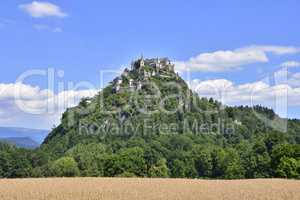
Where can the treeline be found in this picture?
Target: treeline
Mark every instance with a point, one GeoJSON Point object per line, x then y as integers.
{"type": "Point", "coordinates": [176, 156]}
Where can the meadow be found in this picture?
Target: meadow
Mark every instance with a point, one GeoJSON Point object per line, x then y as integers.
{"type": "Point", "coordinates": [147, 189]}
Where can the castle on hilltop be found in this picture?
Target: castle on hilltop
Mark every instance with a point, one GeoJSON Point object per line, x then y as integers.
{"type": "Point", "coordinates": [155, 63]}
{"type": "Point", "coordinates": [146, 68]}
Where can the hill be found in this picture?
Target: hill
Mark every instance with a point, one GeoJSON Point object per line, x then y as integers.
{"type": "Point", "coordinates": [148, 123]}
{"type": "Point", "coordinates": [34, 134]}
{"type": "Point", "coordinates": [22, 142]}
{"type": "Point", "coordinates": [152, 100]}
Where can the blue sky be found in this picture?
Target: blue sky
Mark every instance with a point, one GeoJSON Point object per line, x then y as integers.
{"type": "Point", "coordinates": [84, 37]}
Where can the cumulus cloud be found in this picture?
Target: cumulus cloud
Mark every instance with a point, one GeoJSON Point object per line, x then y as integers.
{"type": "Point", "coordinates": [219, 61]}
{"type": "Point", "coordinates": [294, 80]}
{"type": "Point", "coordinates": [38, 9]}
{"type": "Point", "coordinates": [21, 91]}
{"type": "Point", "coordinates": [279, 50]}
{"type": "Point", "coordinates": [279, 90]}
{"type": "Point", "coordinates": [279, 96]}
{"type": "Point", "coordinates": [290, 64]}
{"type": "Point", "coordinates": [21, 104]}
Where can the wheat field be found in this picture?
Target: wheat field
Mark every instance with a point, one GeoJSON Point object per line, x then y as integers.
{"type": "Point", "coordinates": [147, 189]}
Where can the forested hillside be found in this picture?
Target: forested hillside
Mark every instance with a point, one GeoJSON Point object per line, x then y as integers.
{"type": "Point", "coordinates": [148, 123]}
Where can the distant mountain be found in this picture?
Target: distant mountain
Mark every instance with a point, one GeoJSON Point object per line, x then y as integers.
{"type": "Point", "coordinates": [35, 135]}
{"type": "Point", "coordinates": [23, 142]}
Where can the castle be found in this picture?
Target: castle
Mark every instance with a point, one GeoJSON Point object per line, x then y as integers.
{"type": "Point", "coordinates": [155, 63]}
{"type": "Point", "coordinates": [146, 68]}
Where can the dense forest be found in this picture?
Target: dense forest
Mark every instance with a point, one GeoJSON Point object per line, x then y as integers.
{"type": "Point", "coordinates": [130, 131]}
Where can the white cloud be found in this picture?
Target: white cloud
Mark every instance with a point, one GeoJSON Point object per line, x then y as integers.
{"type": "Point", "coordinates": [290, 64]}
{"type": "Point", "coordinates": [24, 104]}
{"type": "Point", "coordinates": [280, 96]}
{"type": "Point", "coordinates": [283, 76]}
{"type": "Point", "coordinates": [232, 59]}
{"type": "Point", "coordinates": [294, 80]}
{"type": "Point", "coordinates": [279, 50]}
{"type": "Point", "coordinates": [40, 9]}
{"type": "Point", "coordinates": [21, 91]}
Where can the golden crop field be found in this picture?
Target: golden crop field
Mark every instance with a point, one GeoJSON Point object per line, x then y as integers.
{"type": "Point", "coordinates": [147, 189]}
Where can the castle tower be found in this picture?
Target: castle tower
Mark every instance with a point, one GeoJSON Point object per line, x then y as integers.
{"type": "Point", "coordinates": [142, 61]}
{"type": "Point", "coordinates": [131, 83]}
{"type": "Point", "coordinates": [139, 86]}
{"type": "Point", "coordinates": [172, 66]}
{"type": "Point", "coordinates": [118, 84]}
{"type": "Point", "coordinates": [157, 63]}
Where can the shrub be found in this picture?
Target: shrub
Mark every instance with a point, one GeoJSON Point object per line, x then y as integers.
{"type": "Point", "coordinates": [64, 167]}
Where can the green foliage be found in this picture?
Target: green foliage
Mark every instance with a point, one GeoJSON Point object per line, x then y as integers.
{"type": "Point", "coordinates": [64, 167]}
{"type": "Point", "coordinates": [233, 166]}
{"type": "Point", "coordinates": [160, 169]}
{"type": "Point", "coordinates": [90, 158]}
{"type": "Point", "coordinates": [129, 160]}
{"type": "Point", "coordinates": [178, 169]}
{"type": "Point", "coordinates": [203, 161]}
{"type": "Point", "coordinates": [288, 168]}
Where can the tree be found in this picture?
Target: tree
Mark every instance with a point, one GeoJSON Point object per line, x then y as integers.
{"type": "Point", "coordinates": [90, 158]}
{"type": "Point", "coordinates": [203, 162]}
{"type": "Point", "coordinates": [288, 168]}
{"type": "Point", "coordinates": [64, 167]}
{"type": "Point", "coordinates": [20, 164]}
{"type": "Point", "coordinates": [4, 164]}
{"type": "Point", "coordinates": [178, 169]}
{"type": "Point", "coordinates": [152, 157]}
{"type": "Point", "coordinates": [260, 161]}
{"type": "Point", "coordinates": [160, 169]}
{"type": "Point", "coordinates": [283, 151]}
{"type": "Point", "coordinates": [129, 160]}
{"type": "Point", "coordinates": [233, 166]}
{"type": "Point", "coordinates": [274, 139]}
{"type": "Point", "coordinates": [180, 142]}
{"type": "Point", "coordinates": [218, 163]}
